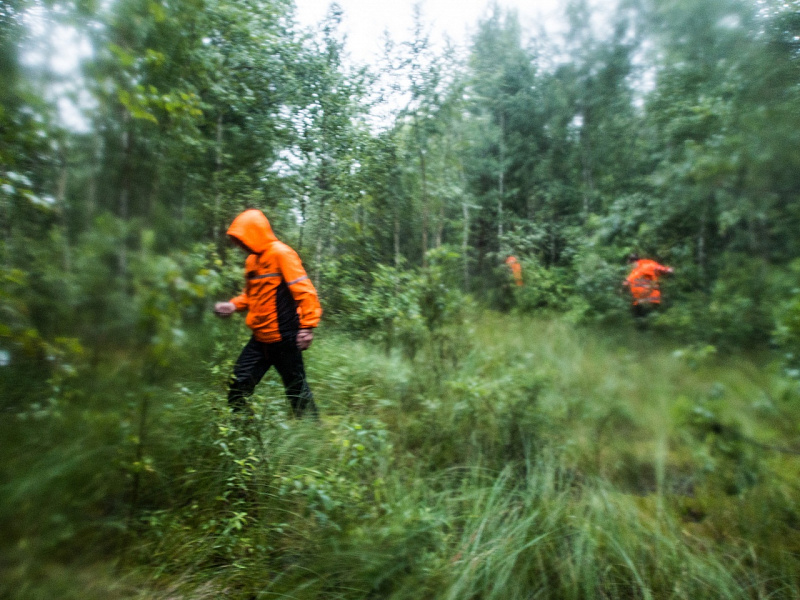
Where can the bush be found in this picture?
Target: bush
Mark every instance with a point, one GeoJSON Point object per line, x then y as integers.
{"type": "Point", "coordinates": [736, 312]}
{"type": "Point", "coordinates": [599, 286]}
{"type": "Point", "coordinates": [389, 311]}
{"type": "Point", "coordinates": [786, 333]}
{"type": "Point", "coordinates": [543, 288]}
{"type": "Point", "coordinates": [408, 309]}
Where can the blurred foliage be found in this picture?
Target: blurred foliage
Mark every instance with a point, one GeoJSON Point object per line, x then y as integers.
{"type": "Point", "coordinates": [196, 112]}
{"type": "Point", "coordinates": [409, 308]}
{"type": "Point", "coordinates": [786, 335]}
{"type": "Point", "coordinates": [541, 429]}
{"type": "Point", "coordinates": [462, 454]}
{"type": "Point", "coordinates": [389, 312]}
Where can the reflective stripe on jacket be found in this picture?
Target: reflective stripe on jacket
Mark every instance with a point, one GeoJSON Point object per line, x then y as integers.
{"type": "Point", "coordinates": [643, 281]}
{"type": "Point", "coordinates": [278, 295]}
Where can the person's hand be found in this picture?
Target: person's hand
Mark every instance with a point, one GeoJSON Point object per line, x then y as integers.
{"type": "Point", "coordinates": [304, 338]}
{"type": "Point", "coordinates": [224, 309]}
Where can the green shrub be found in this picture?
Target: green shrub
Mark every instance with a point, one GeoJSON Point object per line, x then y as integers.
{"type": "Point", "coordinates": [543, 288]}
{"type": "Point", "coordinates": [599, 285]}
{"type": "Point", "coordinates": [736, 312]}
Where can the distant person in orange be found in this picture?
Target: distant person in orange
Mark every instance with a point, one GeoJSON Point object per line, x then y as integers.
{"type": "Point", "coordinates": [643, 284]}
{"type": "Point", "coordinates": [516, 269]}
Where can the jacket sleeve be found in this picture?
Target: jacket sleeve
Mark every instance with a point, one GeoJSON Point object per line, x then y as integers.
{"type": "Point", "coordinates": [303, 291]}
{"type": "Point", "coordinates": [241, 302]}
{"type": "Point", "coordinates": [662, 270]}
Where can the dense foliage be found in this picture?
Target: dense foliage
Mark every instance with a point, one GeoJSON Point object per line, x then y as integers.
{"type": "Point", "coordinates": [668, 128]}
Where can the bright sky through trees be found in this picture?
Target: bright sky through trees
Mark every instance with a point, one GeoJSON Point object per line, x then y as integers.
{"type": "Point", "coordinates": [365, 24]}
{"type": "Point", "coordinates": [366, 21]}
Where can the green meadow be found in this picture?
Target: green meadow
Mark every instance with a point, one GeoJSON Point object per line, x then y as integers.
{"type": "Point", "coordinates": [517, 458]}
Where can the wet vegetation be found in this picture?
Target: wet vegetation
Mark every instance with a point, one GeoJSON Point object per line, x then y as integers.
{"type": "Point", "coordinates": [543, 459]}
{"type": "Point", "coordinates": [478, 439]}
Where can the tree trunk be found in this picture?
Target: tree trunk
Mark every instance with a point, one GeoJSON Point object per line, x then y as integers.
{"type": "Point", "coordinates": [182, 208]}
{"type": "Point", "coordinates": [482, 245]}
{"type": "Point", "coordinates": [443, 197]}
{"type": "Point", "coordinates": [586, 168]}
{"type": "Point", "coordinates": [701, 246]}
{"type": "Point", "coordinates": [303, 205]}
{"type": "Point", "coordinates": [425, 208]}
{"type": "Point", "coordinates": [440, 226]}
{"type": "Point", "coordinates": [152, 198]}
{"type": "Point", "coordinates": [501, 181]}
{"type": "Point", "coordinates": [5, 224]}
{"type": "Point", "coordinates": [138, 458]}
{"type": "Point", "coordinates": [217, 183]}
{"type": "Point", "coordinates": [324, 186]}
{"type": "Point", "coordinates": [318, 251]}
{"type": "Point", "coordinates": [465, 245]}
{"type": "Point", "coordinates": [61, 200]}
{"type": "Point", "coordinates": [303, 209]}
{"type": "Point", "coordinates": [91, 193]}
{"type": "Point", "coordinates": [124, 194]}
{"type": "Point", "coordinates": [396, 238]}
{"type": "Point", "coordinates": [91, 200]}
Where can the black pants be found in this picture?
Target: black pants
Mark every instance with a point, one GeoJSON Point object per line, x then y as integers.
{"type": "Point", "coordinates": [253, 363]}
{"type": "Point", "coordinates": [641, 313]}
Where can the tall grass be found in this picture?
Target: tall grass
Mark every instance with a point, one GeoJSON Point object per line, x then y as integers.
{"type": "Point", "coordinates": [547, 461]}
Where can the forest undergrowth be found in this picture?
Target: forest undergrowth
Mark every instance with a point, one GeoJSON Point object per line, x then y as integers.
{"type": "Point", "coordinates": [514, 458]}
{"type": "Point", "coordinates": [461, 454]}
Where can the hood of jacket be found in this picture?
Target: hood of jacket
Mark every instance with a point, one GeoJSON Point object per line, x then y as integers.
{"type": "Point", "coordinates": [252, 228]}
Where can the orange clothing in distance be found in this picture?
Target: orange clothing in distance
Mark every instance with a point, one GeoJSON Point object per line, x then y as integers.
{"type": "Point", "coordinates": [643, 281]}
{"type": "Point", "coordinates": [278, 295]}
{"type": "Point", "coordinates": [516, 269]}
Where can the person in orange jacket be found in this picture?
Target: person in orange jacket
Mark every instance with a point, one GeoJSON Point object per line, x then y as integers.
{"type": "Point", "coordinates": [282, 311]}
{"type": "Point", "coordinates": [642, 283]}
{"type": "Point", "coordinates": [516, 269]}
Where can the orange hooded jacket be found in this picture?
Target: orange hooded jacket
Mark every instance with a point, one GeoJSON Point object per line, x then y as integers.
{"type": "Point", "coordinates": [516, 269]}
{"type": "Point", "coordinates": [278, 295]}
{"type": "Point", "coordinates": [643, 281]}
